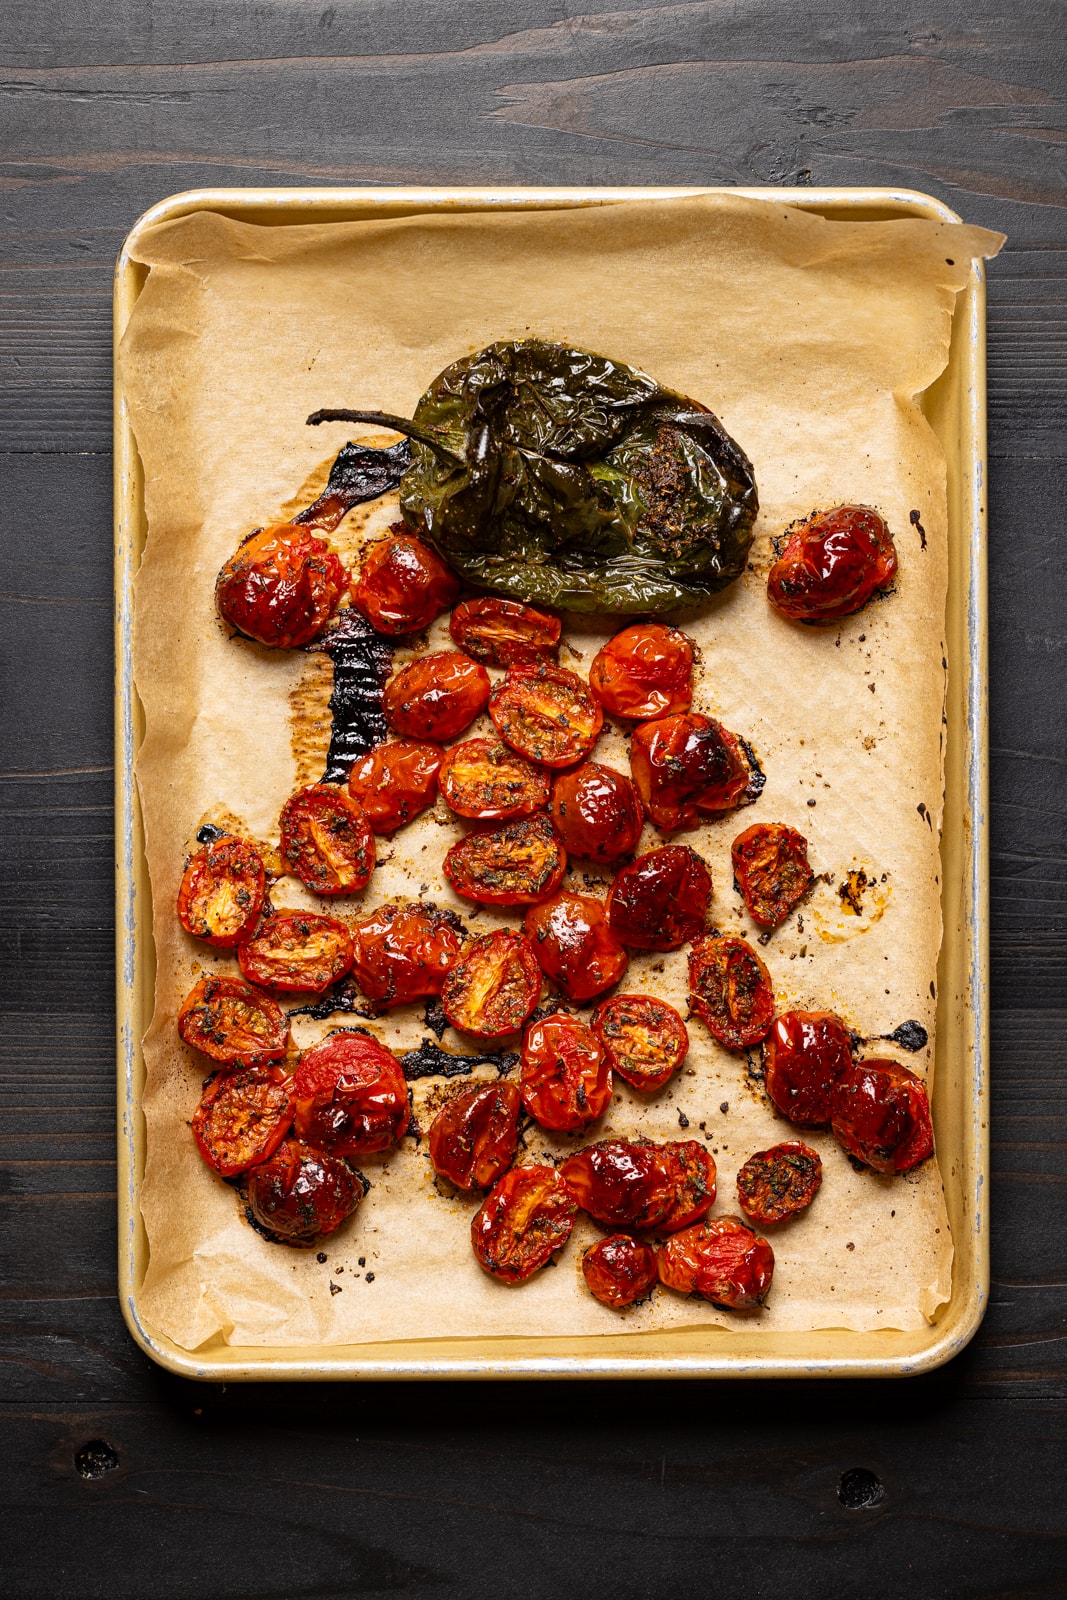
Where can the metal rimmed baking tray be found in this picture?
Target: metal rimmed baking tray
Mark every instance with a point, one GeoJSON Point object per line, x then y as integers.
{"type": "Point", "coordinates": [955, 407]}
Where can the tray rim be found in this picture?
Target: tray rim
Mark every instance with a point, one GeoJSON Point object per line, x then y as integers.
{"type": "Point", "coordinates": [451, 1358]}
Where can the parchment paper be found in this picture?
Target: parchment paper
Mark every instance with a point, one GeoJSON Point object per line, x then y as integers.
{"type": "Point", "coordinates": [811, 340]}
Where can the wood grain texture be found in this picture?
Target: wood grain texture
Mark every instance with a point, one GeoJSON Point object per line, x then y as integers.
{"type": "Point", "coordinates": [620, 1490]}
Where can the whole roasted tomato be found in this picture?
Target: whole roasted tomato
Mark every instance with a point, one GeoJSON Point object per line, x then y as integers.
{"type": "Point", "coordinates": [730, 991]}
{"type": "Point", "coordinates": [296, 953]}
{"type": "Point", "coordinates": [596, 812]}
{"type": "Point", "coordinates": [403, 953]}
{"type": "Point", "coordinates": [777, 1183]}
{"type": "Point", "coordinates": [228, 1020]}
{"type": "Point", "coordinates": [474, 1137]}
{"type": "Point", "coordinates": [485, 781]}
{"type": "Point", "coordinates": [645, 671]}
{"type": "Point", "coordinates": [832, 564]}
{"type": "Point", "coordinates": [694, 1184]}
{"type": "Point", "coordinates": [301, 1193]}
{"type": "Point", "coordinates": [546, 713]}
{"type": "Point", "coordinates": [771, 870]}
{"type": "Point", "coordinates": [881, 1115]}
{"type": "Point", "coordinates": [575, 946]}
{"type": "Point", "coordinates": [493, 986]}
{"type": "Point", "coordinates": [280, 586]}
{"type": "Point", "coordinates": [503, 633]}
{"type": "Point", "coordinates": [566, 1078]}
{"type": "Point", "coordinates": [395, 781]}
{"type": "Point", "coordinates": [660, 901]}
{"type": "Point", "coordinates": [327, 840]}
{"type": "Point", "coordinates": [688, 768]}
{"type": "Point", "coordinates": [514, 864]}
{"type": "Point", "coordinates": [804, 1055]}
{"type": "Point", "coordinates": [403, 584]}
{"type": "Point", "coordinates": [522, 1222]}
{"type": "Point", "coordinates": [221, 893]}
{"type": "Point", "coordinates": [623, 1183]}
{"type": "Point", "coordinates": [620, 1271]}
{"type": "Point", "coordinates": [350, 1095]}
{"type": "Point", "coordinates": [242, 1118]}
{"type": "Point", "coordinates": [645, 1039]}
{"type": "Point", "coordinates": [436, 696]}
{"type": "Point", "coordinates": [722, 1261]}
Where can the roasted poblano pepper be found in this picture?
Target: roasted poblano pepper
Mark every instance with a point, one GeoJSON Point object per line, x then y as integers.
{"type": "Point", "coordinates": [568, 479]}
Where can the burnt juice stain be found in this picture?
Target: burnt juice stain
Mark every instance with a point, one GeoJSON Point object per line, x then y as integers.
{"type": "Point", "coordinates": [431, 1061]}
{"type": "Point", "coordinates": [208, 834]}
{"type": "Point", "coordinates": [362, 661]}
{"type": "Point", "coordinates": [909, 1036]}
{"type": "Point", "coordinates": [343, 996]}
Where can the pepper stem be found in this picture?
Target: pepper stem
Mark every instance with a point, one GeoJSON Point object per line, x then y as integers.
{"type": "Point", "coordinates": [399, 425]}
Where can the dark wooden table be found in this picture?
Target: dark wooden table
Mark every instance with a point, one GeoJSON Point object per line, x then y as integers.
{"type": "Point", "coordinates": [470, 1490]}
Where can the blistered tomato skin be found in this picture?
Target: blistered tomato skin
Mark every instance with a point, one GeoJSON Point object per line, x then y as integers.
{"type": "Point", "coordinates": [722, 1261]}
{"type": "Point", "coordinates": [694, 1184]}
{"type": "Point", "coordinates": [513, 864]}
{"type": "Point", "coordinates": [832, 565]}
{"type": "Point", "coordinates": [436, 697]}
{"type": "Point", "coordinates": [771, 869]}
{"type": "Point", "coordinates": [778, 1183]}
{"type": "Point", "coordinates": [493, 986]}
{"type": "Point", "coordinates": [565, 1076]}
{"type": "Point", "coordinates": [403, 953]}
{"type": "Point", "coordinates": [395, 781]}
{"type": "Point", "coordinates": [327, 840]}
{"type": "Point", "coordinates": [881, 1116]}
{"type": "Point", "coordinates": [503, 633]}
{"type": "Point", "coordinates": [296, 952]}
{"type": "Point", "coordinates": [221, 893]}
{"type": "Point", "coordinates": [229, 1021]}
{"type": "Point", "coordinates": [547, 714]}
{"type": "Point", "coordinates": [484, 781]}
{"type": "Point", "coordinates": [242, 1118]}
{"type": "Point", "coordinates": [280, 586]}
{"type": "Point", "coordinates": [474, 1137]}
{"type": "Point", "coordinates": [350, 1096]}
{"type": "Point", "coordinates": [623, 1183]}
{"type": "Point", "coordinates": [575, 946]}
{"type": "Point", "coordinates": [596, 812]}
{"type": "Point", "coordinates": [804, 1055]}
{"type": "Point", "coordinates": [403, 584]}
{"type": "Point", "coordinates": [730, 991]}
{"type": "Point", "coordinates": [620, 1271]}
{"type": "Point", "coordinates": [301, 1193]}
{"type": "Point", "coordinates": [660, 901]}
{"type": "Point", "coordinates": [645, 1039]}
{"type": "Point", "coordinates": [645, 671]}
{"type": "Point", "coordinates": [688, 768]}
{"type": "Point", "coordinates": [526, 1218]}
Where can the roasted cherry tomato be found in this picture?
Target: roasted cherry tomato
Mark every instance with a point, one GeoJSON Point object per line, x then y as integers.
{"type": "Point", "coordinates": [771, 870]}
{"type": "Point", "coordinates": [596, 812]}
{"type": "Point", "coordinates": [228, 1020]}
{"type": "Point", "coordinates": [221, 892]}
{"type": "Point", "coordinates": [493, 986]}
{"type": "Point", "coordinates": [730, 991]}
{"type": "Point", "coordinates": [436, 696]}
{"type": "Point", "coordinates": [688, 768]}
{"type": "Point", "coordinates": [832, 564]}
{"type": "Point", "coordinates": [624, 1183]}
{"type": "Point", "coordinates": [280, 586]}
{"type": "Point", "coordinates": [485, 781]}
{"type": "Point", "coordinates": [660, 901]}
{"type": "Point", "coordinates": [503, 633]}
{"type": "Point", "coordinates": [777, 1183]}
{"type": "Point", "coordinates": [521, 1224]}
{"type": "Point", "coordinates": [575, 946]}
{"type": "Point", "coordinates": [297, 953]}
{"type": "Point", "coordinates": [804, 1055]}
{"type": "Point", "coordinates": [881, 1115]}
{"type": "Point", "coordinates": [403, 584]}
{"type": "Point", "coordinates": [722, 1261]}
{"type": "Point", "coordinates": [694, 1184]}
{"type": "Point", "coordinates": [350, 1095]}
{"type": "Point", "coordinates": [646, 1040]}
{"type": "Point", "coordinates": [515, 864]}
{"type": "Point", "coordinates": [620, 1271]}
{"type": "Point", "coordinates": [326, 840]}
{"type": "Point", "coordinates": [403, 953]}
{"type": "Point", "coordinates": [566, 1077]}
{"type": "Point", "coordinates": [474, 1137]}
{"type": "Point", "coordinates": [242, 1118]}
{"type": "Point", "coordinates": [301, 1193]}
{"type": "Point", "coordinates": [546, 713]}
{"type": "Point", "coordinates": [645, 671]}
{"type": "Point", "coordinates": [395, 781]}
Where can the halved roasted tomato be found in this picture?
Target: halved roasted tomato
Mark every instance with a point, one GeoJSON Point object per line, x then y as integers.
{"type": "Point", "coordinates": [646, 1040]}
{"type": "Point", "coordinates": [515, 864]}
{"type": "Point", "coordinates": [771, 870]}
{"type": "Point", "coordinates": [436, 696]}
{"type": "Point", "coordinates": [546, 713]}
{"type": "Point", "coordinates": [688, 768]}
{"type": "Point", "coordinates": [402, 583]}
{"type": "Point", "coordinates": [504, 632]}
{"type": "Point", "coordinates": [403, 953]}
{"type": "Point", "coordinates": [485, 781]}
{"type": "Point", "coordinates": [350, 1095]}
{"type": "Point", "coordinates": [645, 671]}
{"type": "Point", "coordinates": [780, 1182]}
{"type": "Point", "coordinates": [327, 840]}
{"type": "Point", "coordinates": [242, 1118]}
{"type": "Point", "coordinates": [280, 586]}
{"type": "Point", "coordinates": [395, 781]}
{"type": "Point", "coordinates": [296, 952]}
{"type": "Point", "coordinates": [596, 812]}
{"type": "Point", "coordinates": [575, 946]}
{"type": "Point", "coordinates": [694, 1184]}
{"type": "Point", "coordinates": [301, 1193]}
{"type": "Point", "coordinates": [521, 1224]}
{"type": "Point", "coordinates": [722, 1261]}
{"type": "Point", "coordinates": [620, 1271]}
{"type": "Point", "coordinates": [566, 1077]}
{"type": "Point", "coordinates": [832, 564]}
{"type": "Point", "coordinates": [493, 986]}
{"type": "Point", "coordinates": [228, 1020]}
{"type": "Point", "coordinates": [730, 991]}
{"type": "Point", "coordinates": [881, 1116]}
{"type": "Point", "coordinates": [804, 1055]}
{"type": "Point", "coordinates": [221, 893]}
{"type": "Point", "coordinates": [623, 1183]}
{"type": "Point", "coordinates": [474, 1137]}
{"type": "Point", "coordinates": [660, 901]}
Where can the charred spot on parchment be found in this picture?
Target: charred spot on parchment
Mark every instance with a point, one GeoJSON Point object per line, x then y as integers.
{"type": "Point", "coordinates": [850, 892]}
{"type": "Point", "coordinates": [431, 1060]}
